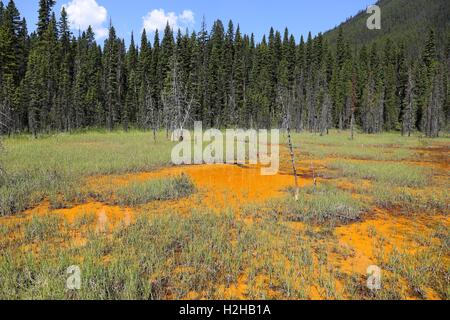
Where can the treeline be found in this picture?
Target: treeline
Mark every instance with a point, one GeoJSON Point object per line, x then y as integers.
{"type": "Point", "coordinates": [51, 80]}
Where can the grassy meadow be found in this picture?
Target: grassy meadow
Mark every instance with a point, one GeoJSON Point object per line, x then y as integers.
{"type": "Point", "coordinates": [95, 200]}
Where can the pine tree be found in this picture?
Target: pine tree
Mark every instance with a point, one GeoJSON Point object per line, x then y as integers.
{"type": "Point", "coordinates": [447, 83]}
{"type": "Point", "coordinates": [22, 50]}
{"type": "Point", "coordinates": [65, 73]}
{"type": "Point", "coordinates": [144, 76]}
{"type": "Point", "coordinates": [45, 13]}
{"type": "Point", "coordinates": [167, 50]}
{"type": "Point", "coordinates": [132, 95]}
{"type": "Point", "coordinates": [238, 93]}
{"type": "Point", "coordinates": [156, 74]}
{"type": "Point", "coordinates": [403, 74]}
{"type": "Point", "coordinates": [432, 116]}
{"type": "Point", "coordinates": [34, 85]}
{"type": "Point", "coordinates": [431, 90]}
{"type": "Point", "coordinates": [9, 41]}
{"type": "Point", "coordinates": [2, 8]}
{"type": "Point", "coordinates": [429, 56]}
{"type": "Point", "coordinates": [230, 92]}
{"type": "Point", "coordinates": [111, 78]}
{"type": "Point", "coordinates": [216, 76]}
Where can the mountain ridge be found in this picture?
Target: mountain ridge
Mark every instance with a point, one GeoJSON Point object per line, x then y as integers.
{"type": "Point", "coordinates": [402, 21]}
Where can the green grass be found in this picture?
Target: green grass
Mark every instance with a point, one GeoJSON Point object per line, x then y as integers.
{"type": "Point", "coordinates": [138, 193]}
{"type": "Point", "coordinates": [133, 194]}
{"type": "Point", "coordinates": [55, 166]}
{"type": "Point", "coordinates": [42, 228]}
{"type": "Point", "coordinates": [49, 166]}
{"type": "Point", "coordinates": [324, 205]}
{"type": "Point", "coordinates": [165, 257]}
{"type": "Point", "coordinates": [423, 270]}
{"type": "Point", "coordinates": [417, 201]}
{"type": "Point", "coordinates": [382, 147]}
{"type": "Point", "coordinates": [389, 173]}
{"type": "Point", "coordinates": [385, 140]}
{"type": "Point", "coordinates": [172, 256]}
{"type": "Point", "coordinates": [83, 220]}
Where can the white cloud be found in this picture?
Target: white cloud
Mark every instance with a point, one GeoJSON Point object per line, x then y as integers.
{"type": "Point", "coordinates": [158, 19]}
{"type": "Point", "coordinates": [187, 17]}
{"type": "Point", "coordinates": [85, 13]}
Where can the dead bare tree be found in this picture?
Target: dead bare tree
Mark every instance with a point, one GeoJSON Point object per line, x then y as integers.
{"type": "Point", "coordinates": [149, 116]}
{"type": "Point", "coordinates": [325, 116]}
{"type": "Point", "coordinates": [313, 170]}
{"type": "Point", "coordinates": [177, 104]}
{"type": "Point", "coordinates": [353, 108]}
{"type": "Point", "coordinates": [285, 98]}
{"type": "Point", "coordinates": [2, 168]}
{"type": "Point", "coordinates": [233, 108]}
{"type": "Point", "coordinates": [409, 111]}
{"type": "Point", "coordinates": [5, 117]}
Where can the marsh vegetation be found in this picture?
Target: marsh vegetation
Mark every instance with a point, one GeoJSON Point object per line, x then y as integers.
{"type": "Point", "coordinates": [139, 229]}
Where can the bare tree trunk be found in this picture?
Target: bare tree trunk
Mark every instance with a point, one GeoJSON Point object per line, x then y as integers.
{"type": "Point", "coordinates": [286, 101]}
{"type": "Point", "coordinates": [2, 170]}
{"type": "Point", "coordinates": [291, 149]}
{"type": "Point", "coordinates": [352, 125]}
{"type": "Point", "coordinates": [353, 107]}
{"type": "Point", "coordinates": [314, 175]}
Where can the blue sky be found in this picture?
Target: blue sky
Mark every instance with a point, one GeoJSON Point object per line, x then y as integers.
{"type": "Point", "coordinates": [257, 16]}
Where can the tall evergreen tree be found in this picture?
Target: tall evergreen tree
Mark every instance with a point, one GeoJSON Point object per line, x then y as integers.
{"type": "Point", "coordinates": [45, 14]}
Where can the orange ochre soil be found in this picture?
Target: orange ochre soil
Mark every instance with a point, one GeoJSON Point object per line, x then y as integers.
{"type": "Point", "coordinates": [230, 186]}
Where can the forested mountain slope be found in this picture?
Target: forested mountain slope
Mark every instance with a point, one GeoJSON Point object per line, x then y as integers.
{"type": "Point", "coordinates": [406, 21]}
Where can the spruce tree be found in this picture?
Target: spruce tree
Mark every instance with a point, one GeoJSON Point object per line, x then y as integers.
{"type": "Point", "coordinates": [111, 78]}
{"type": "Point", "coordinates": [132, 95]}
{"type": "Point", "coordinates": [65, 72]}
{"type": "Point", "coordinates": [167, 49]}
{"type": "Point", "coordinates": [2, 7]}
{"type": "Point", "coordinates": [216, 76]}
{"type": "Point", "coordinates": [45, 13]}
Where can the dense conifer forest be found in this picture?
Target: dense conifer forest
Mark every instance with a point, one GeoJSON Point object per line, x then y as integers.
{"type": "Point", "coordinates": [52, 80]}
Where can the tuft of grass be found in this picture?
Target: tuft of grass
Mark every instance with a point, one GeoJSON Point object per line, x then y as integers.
{"type": "Point", "coordinates": [425, 272]}
{"type": "Point", "coordinates": [55, 166]}
{"type": "Point", "coordinates": [360, 152]}
{"type": "Point", "coordinates": [42, 228]}
{"type": "Point", "coordinates": [434, 201]}
{"type": "Point", "coordinates": [170, 257]}
{"type": "Point", "coordinates": [155, 190]}
{"type": "Point", "coordinates": [389, 173]}
{"type": "Point", "coordinates": [323, 205]}
{"type": "Point", "coordinates": [83, 220]}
